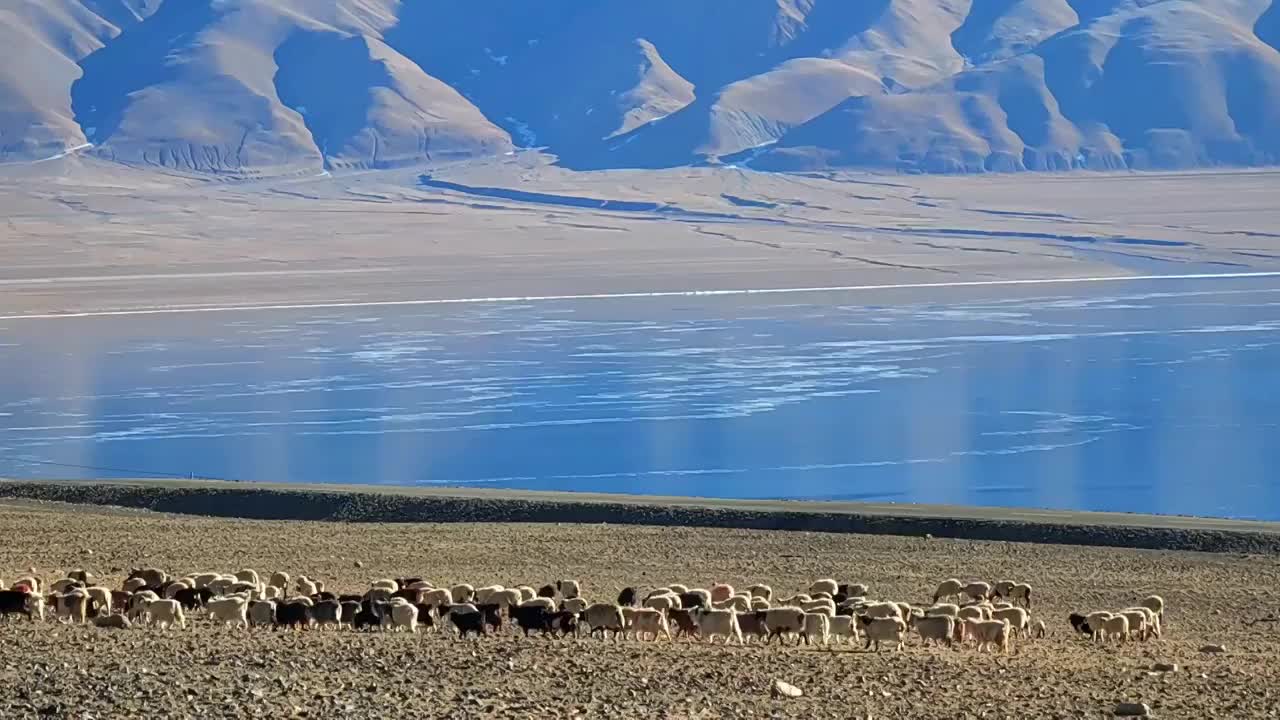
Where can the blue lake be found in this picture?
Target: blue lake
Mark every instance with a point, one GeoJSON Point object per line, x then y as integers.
{"type": "Point", "coordinates": [1146, 396]}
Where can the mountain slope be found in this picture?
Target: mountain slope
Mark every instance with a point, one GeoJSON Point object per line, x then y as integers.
{"type": "Point", "coordinates": [253, 87]}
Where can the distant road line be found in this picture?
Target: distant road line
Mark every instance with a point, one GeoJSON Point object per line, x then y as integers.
{"type": "Point", "coordinates": [188, 276]}
{"type": "Point", "coordinates": [173, 310]}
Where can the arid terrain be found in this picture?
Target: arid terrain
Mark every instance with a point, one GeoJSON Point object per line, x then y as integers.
{"type": "Point", "coordinates": [55, 670]}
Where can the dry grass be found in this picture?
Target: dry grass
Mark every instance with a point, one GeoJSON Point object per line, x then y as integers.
{"type": "Point", "coordinates": [207, 672]}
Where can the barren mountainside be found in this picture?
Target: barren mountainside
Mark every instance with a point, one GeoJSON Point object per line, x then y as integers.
{"type": "Point", "coordinates": [261, 87]}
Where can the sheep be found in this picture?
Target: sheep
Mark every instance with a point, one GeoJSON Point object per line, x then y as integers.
{"type": "Point", "coordinates": [380, 594]}
{"type": "Point", "coordinates": [526, 593]}
{"type": "Point", "coordinates": [1095, 621]}
{"type": "Point", "coordinates": [532, 618]}
{"type": "Point", "coordinates": [154, 578]}
{"type": "Point", "coordinates": [828, 586]}
{"type": "Point", "coordinates": [172, 589]}
{"type": "Point", "coordinates": [752, 625]}
{"type": "Point", "coordinates": [229, 611]}
{"type": "Point", "coordinates": [405, 617]}
{"type": "Point", "coordinates": [240, 588]}
{"type": "Point", "coordinates": [759, 603]}
{"type": "Point", "coordinates": [950, 587]}
{"type": "Point", "coordinates": [761, 591]}
{"type": "Point", "coordinates": [604, 617]}
{"type": "Point", "coordinates": [304, 586]}
{"type": "Point", "coordinates": [721, 592]}
{"type": "Point", "coordinates": [63, 585]}
{"type": "Point", "coordinates": [507, 598]}
{"type": "Point", "coordinates": [1138, 625]}
{"type": "Point", "coordinates": [663, 602]}
{"type": "Point", "coordinates": [99, 602]}
{"type": "Point", "coordinates": [718, 623]}
{"type": "Point", "coordinates": [737, 603]}
{"type": "Point", "coordinates": [884, 629]}
{"type": "Point", "coordinates": [327, 613]}
{"type": "Point", "coordinates": [684, 621]}
{"type": "Point", "coordinates": [164, 613]}
{"type": "Point", "coordinates": [650, 621]}
{"type": "Point", "coordinates": [678, 589]}
{"type": "Point", "coordinates": [977, 590]}
{"type": "Point", "coordinates": [826, 607]}
{"type": "Point", "coordinates": [988, 633]}
{"type": "Point", "coordinates": [436, 597]}
{"type": "Point", "coordinates": [16, 601]}
{"type": "Point", "coordinates": [461, 593]}
{"type": "Point", "coordinates": [136, 609]}
{"type": "Point", "coordinates": [938, 628]}
{"type": "Point", "coordinates": [568, 589]}
{"type": "Point", "coordinates": [547, 591]}
{"type": "Point", "coordinates": [133, 585]}
{"type": "Point", "coordinates": [1152, 619]}
{"type": "Point", "coordinates": [795, 600]}
{"type": "Point", "coordinates": [881, 610]}
{"type": "Point", "coordinates": [248, 576]}
{"type": "Point", "coordinates": [1020, 592]}
{"type": "Point", "coordinates": [71, 606]}
{"type": "Point", "coordinates": [294, 614]}
{"type": "Point", "coordinates": [1001, 588]}
{"type": "Point", "coordinates": [784, 621]}
{"type": "Point", "coordinates": [703, 598]}
{"type": "Point", "coordinates": [118, 622]}
{"type": "Point", "coordinates": [484, 594]}
{"type": "Point", "coordinates": [851, 590]}
{"type": "Point", "coordinates": [279, 579]}
{"type": "Point", "coordinates": [1080, 623]}
{"type": "Point", "coordinates": [420, 585]}
{"type": "Point", "coordinates": [574, 605]}
{"type": "Point", "coordinates": [1019, 619]}
{"type": "Point", "coordinates": [1155, 603]}
{"type": "Point", "coordinates": [943, 610]}
{"type": "Point", "coordinates": [821, 596]}
{"type": "Point", "coordinates": [974, 612]}
{"type": "Point", "coordinates": [543, 602]}
{"type": "Point", "coordinates": [1115, 626]}
{"type": "Point", "coordinates": [627, 598]}
{"type": "Point", "coordinates": [843, 628]}
{"type": "Point", "coordinates": [262, 612]}
{"type": "Point", "coordinates": [817, 626]}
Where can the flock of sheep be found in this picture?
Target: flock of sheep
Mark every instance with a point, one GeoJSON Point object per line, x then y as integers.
{"type": "Point", "coordinates": [987, 615]}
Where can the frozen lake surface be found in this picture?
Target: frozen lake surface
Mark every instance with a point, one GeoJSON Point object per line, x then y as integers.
{"type": "Point", "coordinates": [1146, 396]}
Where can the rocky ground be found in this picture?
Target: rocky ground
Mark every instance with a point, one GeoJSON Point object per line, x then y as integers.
{"type": "Point", "coordinates": [51, 670]}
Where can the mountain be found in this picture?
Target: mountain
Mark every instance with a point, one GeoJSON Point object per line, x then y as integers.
{"type": "Point", "coordinates": [266, 87]}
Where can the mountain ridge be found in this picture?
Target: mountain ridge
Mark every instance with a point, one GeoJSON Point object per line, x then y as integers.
{"type": "Point", "coordinates": [268, 87]}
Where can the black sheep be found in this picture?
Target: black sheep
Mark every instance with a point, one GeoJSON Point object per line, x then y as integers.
{"type": "Point", "coordinates": [532, 618]}
{"type": "Point", "coordinates": [293, 614]}
{"type": "Point", "coordinates": [547, 591]}
{"type": "Point", "coordinates": [192, 598]}
{"type": "Point", "coordinates": [684, 621]}
{"type": "Point", "coordinates": [627, 598]}
{"type": "Point", "coordinates": [468, 622]}
{"type": "Point", "coordinates": [1080, 623]}
{"type": "Point", "coordinates": [492, 614]}
{"type": "Point", "coordinates": [14, 601]}
{"type": "Point", "coordinates": [691, 601]}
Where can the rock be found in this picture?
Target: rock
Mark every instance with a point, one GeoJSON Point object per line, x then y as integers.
{"type": "Point", "coordinates": [1132, 710]}
{"type": "Point", "coordinates": [359, 564]}
{"type": "Point", "coordinates": [1213, 648]}
{"type": "Point", "coordinates": [1165, 667]}
{"type": "Point", "coordinates": [782, 689]}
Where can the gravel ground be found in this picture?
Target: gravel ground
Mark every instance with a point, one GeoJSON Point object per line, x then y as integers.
{"type": "Point", "coordinates": [52, 670]}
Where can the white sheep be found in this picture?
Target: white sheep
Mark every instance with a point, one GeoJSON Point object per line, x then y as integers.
{"type": "Point", "coordinates": [943, 610]}
{"type": "Point", "coordinates": [1116, 626]}
{"type": "Point", "coordinates": [821, 596]}
{"type": "Point", "coordinates": [1094, 621]}
{"type": "Point", "coordinates": [71, 606]}
{"type": "Point", "coordinates": [118, 622]}
{"type": "Point", "coordinates": [199, 580]}
{"type": "Point", "coordinates": [35, 606]}
{"type": "Point", "coordinates": [404, 616]}
{"type": "Point", "coordinates": [988, 633]}
{"type": "Point", "coordinates": [422, 585]}
{"type": "Point", "coordinates": [436, 598]}
{"type": "Point", "coordinates": [1002, 588]}
{"type": "Point", "coordinates": [1020, 592]}
{"type": "Point", "coordinates": [784, 621]}
{"type": "Point", "coordinates": [648, 621]}
{"type": "Point", "coordinates": [577, 605]}
{"type": "Point", "coordinates": [217, 587]}
{"type": "Point", "coordinates": [678, 589]}
{"type": "Point", "coordinates": [826, 607]}
{"type": "Point", "coordinates": [664, 602]}
{"type": "Point", "coordinates": [761, 591]}
{"type": "Point", "coordinates": [795, 600]}
{"type": "Point", "coordinates": [279, 579]}
{"type": "Point", "coordinates": [817, 626]}
{"type": "Point", "coordinates": [826, 585]}
{"type": "Point", "coordinates": [568, 589]}
{"type": "Point", "coordinates": [164, 613]}
{"type": "Point", "coordinates": [63, 585]}
{"type": "Point", "coordinates": [385, 583]}
{"type": "Point", "coordinates": [950, 587]}
{"type": "Point", "coordinates": [977, 590]}
{"type": "Point", "coordinates": [938, 628]}
{"type": "Point", "coordinates": [302, 585]}
{"type": "Point", "coordinates": [101, 598]}
{"type": "Point", "coordinates": [878, 610]}
{"type": "Point", "coordinates": [526, 593]}
{"type": "Point", "coordinates": [884, 629]}
{"type": "Point", "coordinates": [174, 588]}
{"type": "Point", "coordinates": [718, 623]}
{"type": "Point", "coordinates": [1138, 626]}
{"type": "Point", "coordinates": [461, 593]}
{"type": "Point", "coordinates": [484, 594]}
{"type": "Point", "coordinates": [136, 608]}
{"type": "Point", "coordinates": [974, 612]}
{"type": "Point", "coordinates": [759, 603]}
{"type": "Point", "coordinates": [232, 610]}
{"type": "Point", "coordinates": [1152, 619]}
{"type": "Point", "coordinates": [843, 628]}
{"type": "Point", "coordinates": [506, 598]}
{"type": "Point", "coordinates": [248, 576]}
{"type": "Point", "coordinates": [1019, 619]}
{"type": "Point", "coordinates": [134, 585]}
{"type": "Point", "coordinates": [604, 617]}
{"type": "Point", "coordinates": [1039, 629]}
{"type": "Point", "coordinates": [737, 603]}
{"type": "Point", "coordinates": [271, 592]}
{"type": "Point", "coordinates": [1155, 603]}
{"type": "Point", "coordinates": [545, 603]}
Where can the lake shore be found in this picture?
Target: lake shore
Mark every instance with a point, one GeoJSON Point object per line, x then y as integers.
{"type": "Point", "coordinates": [394, 504]}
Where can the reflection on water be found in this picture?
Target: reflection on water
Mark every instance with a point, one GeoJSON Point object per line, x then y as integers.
{"type": "Point", "coordinates": [1158, 397]}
